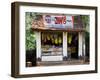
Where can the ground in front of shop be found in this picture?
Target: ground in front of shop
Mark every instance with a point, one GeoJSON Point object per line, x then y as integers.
{"type": "Point", "coordinates": [68, 62]}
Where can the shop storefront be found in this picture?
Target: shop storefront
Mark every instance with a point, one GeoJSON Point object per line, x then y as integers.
{"type": "Point", "coordinates": [58, 38]}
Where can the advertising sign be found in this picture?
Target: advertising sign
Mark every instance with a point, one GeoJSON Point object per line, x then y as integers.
{"type": "Point", "coordinates": [58, 21]}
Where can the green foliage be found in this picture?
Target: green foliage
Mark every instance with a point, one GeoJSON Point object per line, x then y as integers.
{"type": "Point", "coordinates": [30, 35]}
{"type": "Point", "coordinates": [85, 20]}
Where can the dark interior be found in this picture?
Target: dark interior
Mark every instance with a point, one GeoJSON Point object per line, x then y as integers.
{"type": "Point", "coordinates": [31, 57]}
{"type": "Point", "coordinates": [73, 45]}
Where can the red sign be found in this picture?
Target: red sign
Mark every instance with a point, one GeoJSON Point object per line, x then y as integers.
{"type": "Point", "coordinates": [60, 20]}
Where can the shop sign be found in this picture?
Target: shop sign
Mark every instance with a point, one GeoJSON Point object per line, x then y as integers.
{"type": "Point", "coordinates": [58, 21]}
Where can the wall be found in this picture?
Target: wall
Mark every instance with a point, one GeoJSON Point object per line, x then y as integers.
{"type": "Point", "coordinates": [5, 40]}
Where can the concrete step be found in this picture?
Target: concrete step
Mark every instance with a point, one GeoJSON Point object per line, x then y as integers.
{"type": "Point", "coordinates": [68, 62]}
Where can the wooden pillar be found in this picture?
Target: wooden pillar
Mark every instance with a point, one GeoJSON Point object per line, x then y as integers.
{"type": "Point", "coordinates": [65, 46]}
{"type": "Point", "coordinates": [80, 43]}
{"type": "Point", "coordinates": [38, 45]}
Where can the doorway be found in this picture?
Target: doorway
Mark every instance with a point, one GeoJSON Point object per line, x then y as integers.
{"type": "Point", "coordinates": [72, 43]}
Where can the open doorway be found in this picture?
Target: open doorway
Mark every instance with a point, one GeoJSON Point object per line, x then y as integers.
{"type": "Point", "coordinates": [51, 46]}
{"type": "Point", "coordinates": [72, 43]}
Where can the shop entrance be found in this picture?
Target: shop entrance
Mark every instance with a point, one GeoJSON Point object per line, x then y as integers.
{"type": "Point", "coordinates": [51, 46]}
{"type": "Point", "coordinates": [72, 43]}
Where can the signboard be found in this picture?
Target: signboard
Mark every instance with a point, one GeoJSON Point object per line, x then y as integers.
{"type": "Point", "coordinates": [58, 21]}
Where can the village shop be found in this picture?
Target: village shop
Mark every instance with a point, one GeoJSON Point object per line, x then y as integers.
{"type": "Point", "coordinates": [59, 37]}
